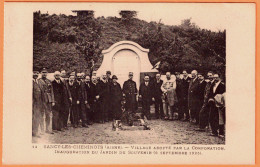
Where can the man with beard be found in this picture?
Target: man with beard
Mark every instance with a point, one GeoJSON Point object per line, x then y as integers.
{"type": "Point", "coordinates": [37, 105]}
{"type": "Point", "coordinates": [184, 95]}
{"type": "Point", "coordinates": [89, 102]}
{"type": "Point", "coordinates": [74, 89]}
{"type": "Point", "coordinates": [169, 95]}
{"type": "Point", "coordinates": [201, 89]}
{"type": "Point", "coordinates": [193, 100]}
{"type": "Point", "coordinates": [116, 98]}
{"type": "Point", "coordinates": [146, 93]}
{"type": "Point", "coordinates": [48, 100]}
{"type": "Point", "coordinates": [217, 89]}
{"type": "Point", "coordinates": [179, 96]}
{"type": "Point", "coordinates": [205, 109]}
{"type": "Point", "coordinates": [130, 92]}
{"type": "Point", "coordinates": [158, 97]}
{"type": "Point", "coordinates": [59, 98]}
{"type": "Point", "coordinates": [67, 99]}
{"type": "Point", "coordinates": [94, 98]}
{"type": "Point", "coordinates": [82, 100]}
{"type": "Point", "coordinates": [104, 92]}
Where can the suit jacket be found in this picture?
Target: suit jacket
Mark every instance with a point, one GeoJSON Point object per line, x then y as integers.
{"type": "Point", "coordinates": [104, 90]}
{"type": "Point", "coordinates": [185, 88]}
{"type": "Point", "coordinates": [157, 89]}
{"type": "Point", "coordinates": [179, 88]}
{"type": "Point", "coordinates": [193, 100]}
{"type": "Point", "coordinates": [75, 92]}
{"type": "Point", "coordinates": [92, 90]}
{"type": "Point", "coordinates": [201, 90]}
{"type": "Point", "coordinates": [59, 94]}
{"type": "Point", "coordinates": [67, 93]}
{"type": "Point", "coordinates": [146, 91]}
{"type": "Point", "coordinates": [221, 88]}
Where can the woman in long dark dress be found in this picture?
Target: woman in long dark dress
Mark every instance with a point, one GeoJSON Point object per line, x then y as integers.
{"type": "Point", "coordinates": [116, 98]}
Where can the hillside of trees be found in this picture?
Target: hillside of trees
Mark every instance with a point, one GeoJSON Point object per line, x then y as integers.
{"type": "Point", "coordinates": [73, 43]}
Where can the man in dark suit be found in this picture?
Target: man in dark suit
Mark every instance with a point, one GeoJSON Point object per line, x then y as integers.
{"type": "Point", "coordinates": [202, 85]}
{"type": "Point", "coordinates": [110, 111]}
{"type": "Point", "coordinates": [184, 95]}
{"type": "Point", "coordinates": [67, 99]}
{"type": "Point", "coordinates": [59, 98]}
{"type": "Point", "coordinates": [82, 99]}
{"type": "Point", "coordinates": [205, 109]}
{"type": "Point", "coordinates": [193, 98]}
{"type": "Point", "coordinates": [74, 88]}
{"type": "Point", "coordinates": [158, 97]}
{"type": "Point", "coordinates": [130, 92]}
{"type": "Point", "coordinates": [88, 95]}
{"type": "Point", "coordinates": [147, 96]}
{"type": "Point", "coordinates": [218, 88]}
{"type": "Point", "coordinates": [178, 107]}
{"type": "Point", "coordinates": [93, 98]}
{"type": "Point", "coordinates": [104, 92]}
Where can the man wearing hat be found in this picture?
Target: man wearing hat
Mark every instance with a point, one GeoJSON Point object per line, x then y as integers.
{"type": "Point", "coordinates": [108, 73]}
{"type": "Point", "coordinates": [48, 99]}
{"type": "Point", "coordinates": [37, 104]}
{"type": "Point", "coordinates": [109, 80]}
{"type": "Point", "coordinates": [116, 98]}
{"type": "Point", "coordinates": [130, 92]}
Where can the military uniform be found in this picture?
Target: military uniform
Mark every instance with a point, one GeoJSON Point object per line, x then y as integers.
{"type": "Point", "coordinates": [48, 99]}
{"type": "Point", "coordinates": [37, 107]}
{"type": "Point", "coordinates": [130, 91]}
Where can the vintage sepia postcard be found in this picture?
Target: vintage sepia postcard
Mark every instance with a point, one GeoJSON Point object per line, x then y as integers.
{"type": "Point", "coordinates": [129, 83]}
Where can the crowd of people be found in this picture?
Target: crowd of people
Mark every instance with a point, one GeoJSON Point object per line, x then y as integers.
{"type": "Point", "coordinates": [88, 99]}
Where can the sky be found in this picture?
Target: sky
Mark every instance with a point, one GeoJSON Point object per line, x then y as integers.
{"type": "Point", "coordinates": [207, 16]}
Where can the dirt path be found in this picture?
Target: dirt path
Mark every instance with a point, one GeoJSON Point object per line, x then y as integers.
{"type": "Point", "coordinates": [162, 132]}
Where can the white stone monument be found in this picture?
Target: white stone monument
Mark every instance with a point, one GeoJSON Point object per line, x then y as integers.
{"type": "Point", "coordinates": [124, 57]}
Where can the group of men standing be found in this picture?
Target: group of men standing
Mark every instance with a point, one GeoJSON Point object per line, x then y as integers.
{"type": "Point", "coordinates": [186, 98]}
{"type": "Point", "coordinates": [192, 99]}
{"type": "Point", "coordinates": [80, 98]}
{"type": "Point", "coordinates": [88, 99]}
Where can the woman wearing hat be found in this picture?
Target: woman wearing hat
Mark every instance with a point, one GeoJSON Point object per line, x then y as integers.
{"type": "Point", "coordinates": [116, 97]}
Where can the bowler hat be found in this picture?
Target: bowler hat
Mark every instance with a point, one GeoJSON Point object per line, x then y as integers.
{"type": "Point", "coordinates": [109, 72]}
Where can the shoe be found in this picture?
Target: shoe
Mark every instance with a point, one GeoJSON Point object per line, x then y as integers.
{"type": "Point", "coordinates": [221, 136]}
{"type": "Point", "coordinates": [89, 123]}
{"type": "Point", "coordinates": [66, 128]}
{"type": "Point", "coordinates": [49, 132]}
{"type": "Point", "coordinates": [75, 126]}
{"type": "Point", "coordinates": [85, 126]}
{"type": "Point", "coordinates": [212, 134]}
{"type": "Point", "coordinates": [200, 130]}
